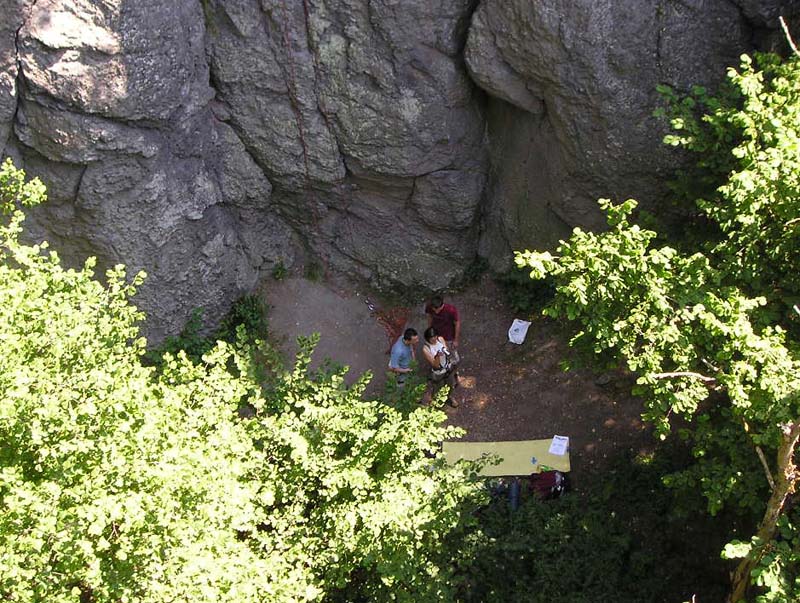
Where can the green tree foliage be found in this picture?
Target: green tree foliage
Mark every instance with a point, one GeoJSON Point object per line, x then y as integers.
{"type": "Point", "coordinates": [120, 482]}
{"type": "Point", "coordinates": [700, 329]}
{"type": "Point", "coordinates": [748, 183]}
{"type": "Point", "coordinates": [622, 539]}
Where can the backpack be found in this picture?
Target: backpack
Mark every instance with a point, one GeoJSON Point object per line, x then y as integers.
{"type": "Point", "coordinates": [446, 365]}
{"type": "Point", "coordinates": [549, 484]}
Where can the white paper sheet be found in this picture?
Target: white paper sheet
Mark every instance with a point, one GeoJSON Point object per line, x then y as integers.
{"type": "Point", "coordinates": [518, 331]}
{"type": "Point", "coordinates": [559, 445]}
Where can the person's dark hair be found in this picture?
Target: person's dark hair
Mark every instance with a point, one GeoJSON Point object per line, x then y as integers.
{"type": "Point", "coordinates": [430, 333]}
{"type": "Point", "coordinates": [409, 333]}
{"type": "Point", "coordinates": [436, 301]}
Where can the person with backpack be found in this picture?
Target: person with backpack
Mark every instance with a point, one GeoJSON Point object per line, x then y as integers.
{"type": "Point", "coordinates": [447, 322]}
{"type": "Point", "coordinates": [441, 363]}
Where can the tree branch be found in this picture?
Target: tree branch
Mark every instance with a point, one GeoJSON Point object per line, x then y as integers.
{"type": "Point", "coordinates": [763, 459]}
{"type": "Point", "coordinates": [703, 378]}
{"type": "Point", "coordinates": [788, 36]}
{"type": "Point", "coordinates": [787, 478]}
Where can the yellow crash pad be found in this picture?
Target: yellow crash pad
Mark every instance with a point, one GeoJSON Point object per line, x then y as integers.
{"type": "Point", "coordinates": [518, 458]}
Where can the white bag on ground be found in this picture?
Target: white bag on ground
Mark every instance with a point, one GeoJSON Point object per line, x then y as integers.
{"type": "Point", "coordinates": [518, 331]}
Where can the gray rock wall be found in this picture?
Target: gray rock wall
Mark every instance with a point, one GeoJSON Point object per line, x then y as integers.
{"type": "Point", "coordinates": [363, 117]}
{"type": "Point", "coordinates": [206, 141]}
{"type": "Point", "coordinates": [578, 79]}
{"type": "Point", "coordinates": [13, 14]}
{"type": "Point", "coordinates": [115, 113]}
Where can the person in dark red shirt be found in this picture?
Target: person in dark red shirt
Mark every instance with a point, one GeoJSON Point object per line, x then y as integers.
{"type": "Point", "coordinates": [444, 319]}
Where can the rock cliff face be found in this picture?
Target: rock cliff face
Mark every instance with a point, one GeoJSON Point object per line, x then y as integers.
{"type": "Point", "coordinates": [114, 111]}
{"type": "Point", "coordinates": [363, 117]}
{"type": "Point", "coordinates": [578, 79]}
{"type": "Point", "coordinates": [208, 141]}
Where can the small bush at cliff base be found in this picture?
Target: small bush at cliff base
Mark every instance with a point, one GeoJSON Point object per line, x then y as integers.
{"type": "Point", "coordinates": [248, 313]}
{"type": "Point", "coordinates": [279, 271]}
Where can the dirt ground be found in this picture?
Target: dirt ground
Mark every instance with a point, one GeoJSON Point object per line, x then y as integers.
{"type": "Point", "coordinates": [508, 392]}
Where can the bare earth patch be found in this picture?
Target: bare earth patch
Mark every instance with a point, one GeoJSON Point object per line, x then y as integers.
{"type": "Point", "coordinates": [508, 392]}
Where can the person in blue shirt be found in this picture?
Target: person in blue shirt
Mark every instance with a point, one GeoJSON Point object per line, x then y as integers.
{"type": "Point", "coordinates": [404, 352]}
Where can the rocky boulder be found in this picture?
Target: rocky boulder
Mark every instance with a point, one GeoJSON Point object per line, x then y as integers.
{"type": "Point", "coordinates": [363, 116]}
{"type": "Point", "coordinates": [115, 115]}
{"type": "Point", "coordinates": [574, 89]}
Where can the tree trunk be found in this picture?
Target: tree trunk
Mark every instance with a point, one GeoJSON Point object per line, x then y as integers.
{"type": "Point", "coordinates": [784, 486]}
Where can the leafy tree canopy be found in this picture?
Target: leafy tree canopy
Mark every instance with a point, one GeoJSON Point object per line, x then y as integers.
{"type": "Point", "coordinates": [123, 482]}
{"type": "Point", "coordinates": [704, 329]}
